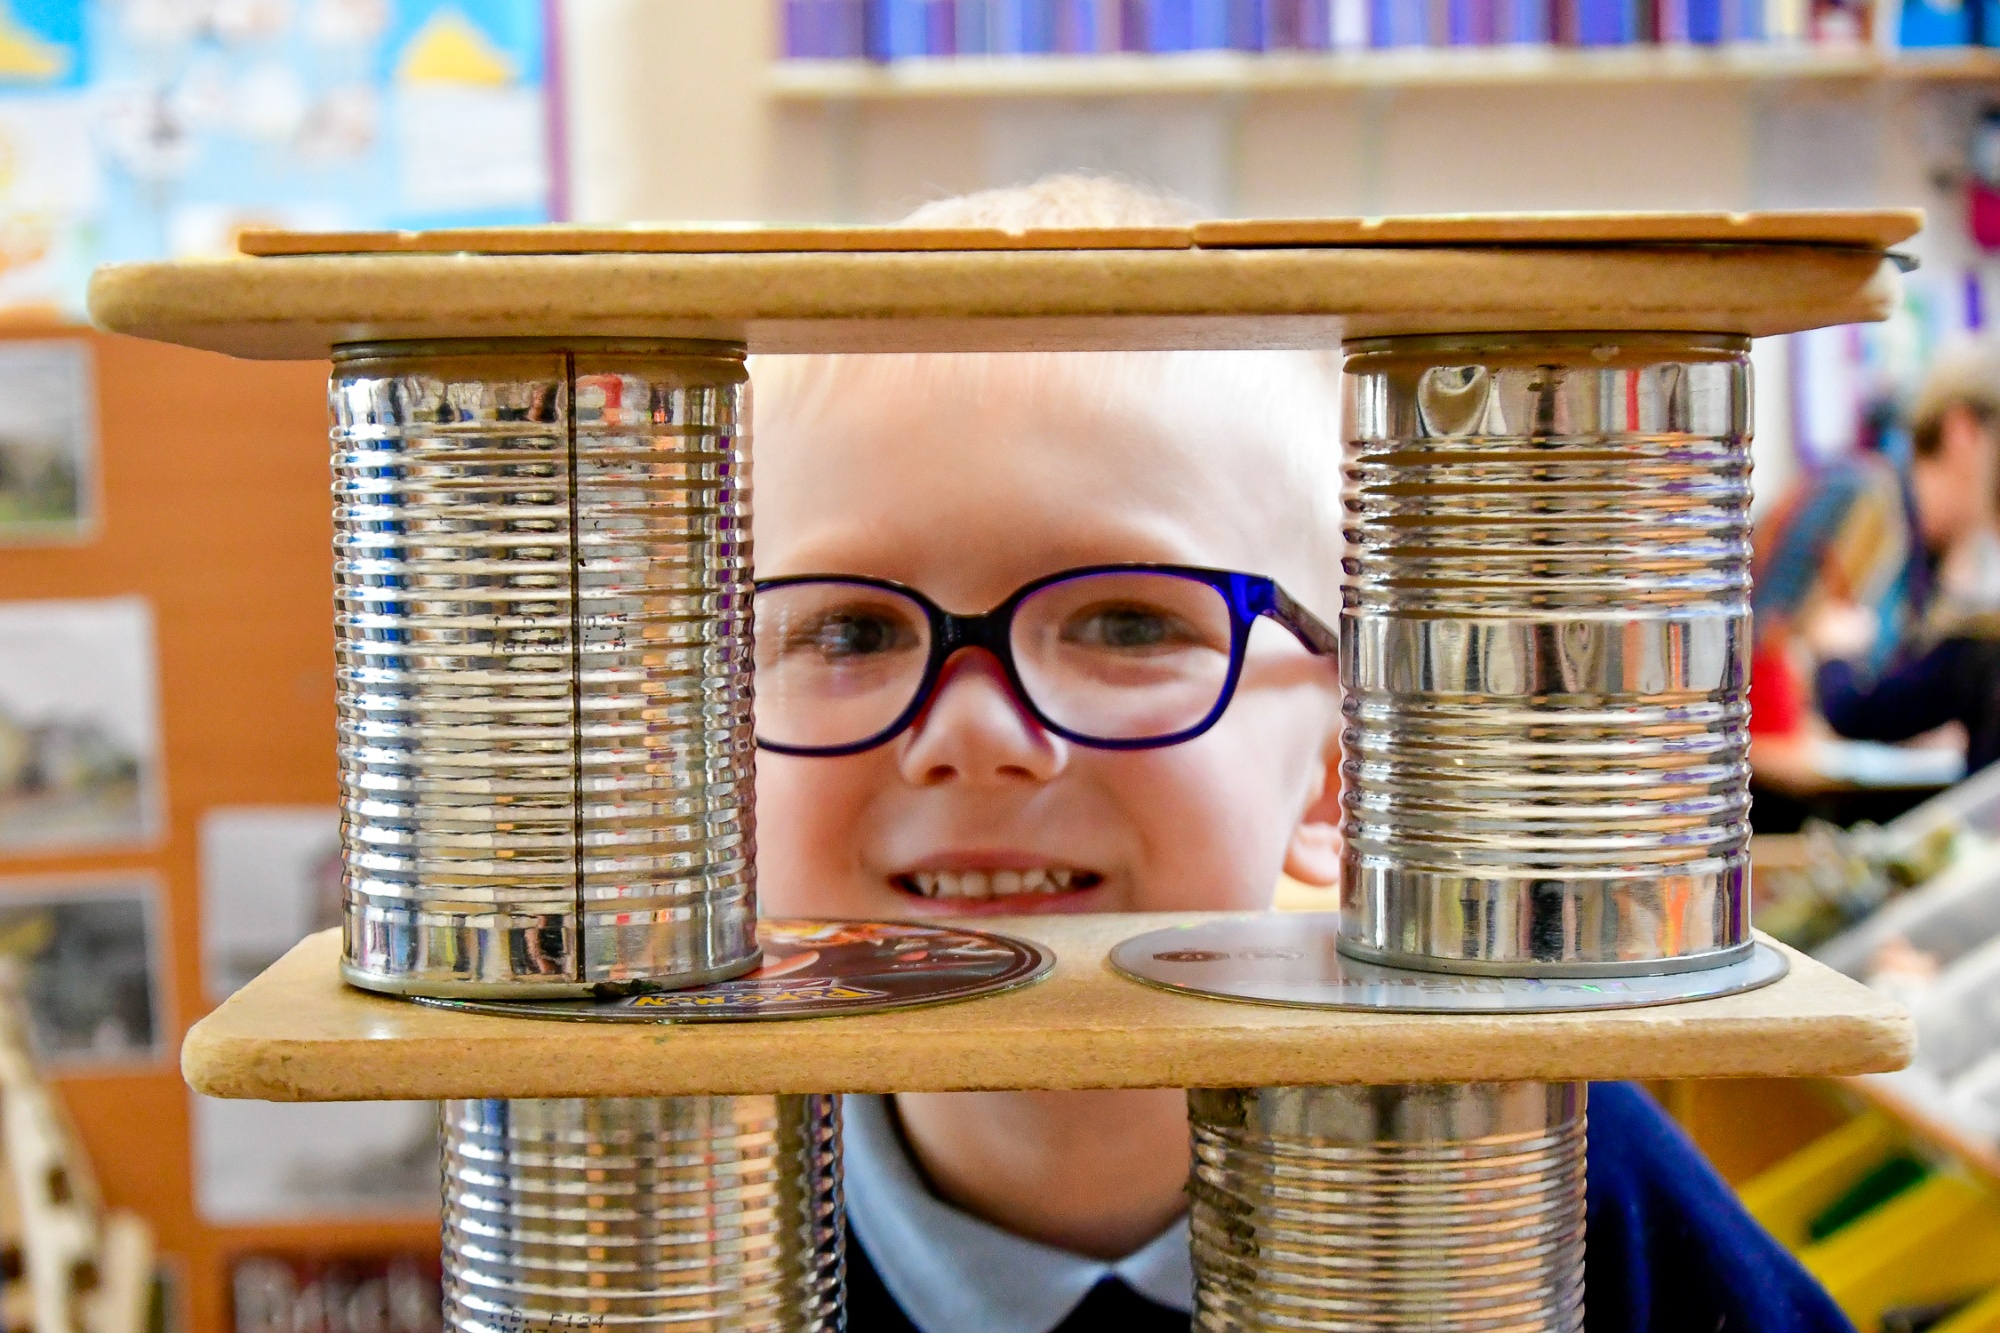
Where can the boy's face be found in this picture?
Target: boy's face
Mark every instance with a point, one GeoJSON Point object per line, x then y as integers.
{"type": "Point", "coordinates": [964, 482]}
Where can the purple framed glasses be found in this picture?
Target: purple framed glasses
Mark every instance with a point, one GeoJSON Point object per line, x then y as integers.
{"type": "Point", "coordinates": [1117, 657]}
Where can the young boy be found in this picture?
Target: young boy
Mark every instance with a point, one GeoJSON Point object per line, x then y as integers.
{"type": "Point", "coordinates": [1081, 779]}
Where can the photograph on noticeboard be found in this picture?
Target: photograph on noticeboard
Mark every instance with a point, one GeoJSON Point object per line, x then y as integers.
{"type": "Point", "coordinates": [93, 975]}
{"type": "Point", "coordinates": [80, 758]}
{"type": "Point", "coordinates": [48, 442]}
{"type": "Point", "coordinates": [337, 1293]}
{"type": "Point", "coordinates": [304, 1161]}
{"type": "Point", "coordinates": [270, 876]}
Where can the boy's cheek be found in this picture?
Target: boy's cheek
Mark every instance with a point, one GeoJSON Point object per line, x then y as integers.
{"type": "Point", "coordinates": [1215, 822]}
{"type": "Point", "coordinates": [808, 827]}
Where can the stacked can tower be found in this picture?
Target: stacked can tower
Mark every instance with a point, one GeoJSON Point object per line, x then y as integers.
{"type": "Point", "coordinates": [1545, 645]}
{"type": "Point", "coordinates": [543, 600]}
{"type": "Point", "coordinates": [643, 1213]}
{"type": "Point", "coordinates": [542, 572]}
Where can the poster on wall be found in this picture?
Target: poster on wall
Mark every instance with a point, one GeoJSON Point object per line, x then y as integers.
{"type": "Point", "coordinates": [213, 115]}
{"type": "Point", "coordinates": [48, 441]}
{"type": "Point", "coordinates": [145, 129]}
{"type": "Point", "coordinates": [94, 966]}
{"type": "Point", "coordinates": [50, 189]}
{"type": "Point", "coordinates": [339, 1293]}
{"type": "Point", "coordinates": [270, 876]}
{"type": "Point", "coordinates": [296, 1161]}
{"type": "Point", "coordinates": [80, 762]}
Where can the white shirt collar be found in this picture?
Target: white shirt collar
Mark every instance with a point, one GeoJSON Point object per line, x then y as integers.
{"type": "Point", "coordinates": [952, 1273]}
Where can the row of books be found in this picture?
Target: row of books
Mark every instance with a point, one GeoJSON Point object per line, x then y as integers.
{"type": "Point", "coordinates": [906, 29]}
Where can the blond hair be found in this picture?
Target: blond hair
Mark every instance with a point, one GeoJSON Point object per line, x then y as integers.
{"type": "Point", "coordinates": [1966, 376]}
{"type": "Point", "coordinates": [1293, 396]}
{"type": "Point", "coordinates": [1067, 200]}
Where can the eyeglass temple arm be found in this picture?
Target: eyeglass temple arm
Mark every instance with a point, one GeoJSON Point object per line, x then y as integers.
{"type": "Point", "coordinates": [1310, 630]}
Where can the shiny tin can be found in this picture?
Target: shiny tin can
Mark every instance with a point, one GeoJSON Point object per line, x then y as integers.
{"type": "Point", "coordinates": [542, 611]}
{"type": "Point", "coordinates": [700, 1214]}
{"type": "Point", "coordinates": [1457, 1208]}
{"type": "Point", "coordinates": [1545, 644]}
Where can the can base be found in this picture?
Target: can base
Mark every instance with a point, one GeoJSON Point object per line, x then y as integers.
{"type": "Point", "coordinates": [1480, 967]}
{"type": "Point", "coordinates": [1298, 959]}
{"type": "Point", "coordinates": [431, 988]}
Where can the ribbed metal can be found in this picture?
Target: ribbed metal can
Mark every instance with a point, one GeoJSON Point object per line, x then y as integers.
{"type": "Point", "coordinates": [692, 1214]}
{"type": "Point", "coordinates": [1545, 644]}
{"type": "Point", "coordinates": [1455, 1208]}
{"type": "Point", "coordinates": [542, 615]}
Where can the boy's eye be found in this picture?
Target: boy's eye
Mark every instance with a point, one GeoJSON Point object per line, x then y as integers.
{"type": "Point", "coordinates": [1129, 628]}
{"type": "Point", "coordinates": [847, 634]}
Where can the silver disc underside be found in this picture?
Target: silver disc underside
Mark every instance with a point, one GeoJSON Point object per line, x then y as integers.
{"type": "Point", "coordinates": [813, 969]}
{"type": "Point", "coordinates": [1289, 958]}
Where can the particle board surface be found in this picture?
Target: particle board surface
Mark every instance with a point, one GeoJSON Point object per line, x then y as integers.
{"type": "Point", "coordinates": [1872, 229]}
{"type": "Point", "coordinates": [294, 308]}
{"type": "Point", "coordinates": [1869, 229]}
{"type": "Point", "coordinates": [298, 1034]}
{"type": "Point", "coordinates": [642, 239]}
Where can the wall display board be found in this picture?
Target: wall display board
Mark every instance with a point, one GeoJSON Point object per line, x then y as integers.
{"type": "Point", "coordinates": [365, 1293]}
{"type": "Point", "coordinates": [270, 876]}
{"type": "Point", "coordinates": [50, 189]}
{"type": "Point", "coordinates": [210, 535]}
{"type": "Point", "coordinates": [79, 727]}
{"type": "Point", "coordinates": [48, 441]}
{"type": "Point", "coordinates": [134, 129]}
{"type": "Point", "coordinates": [94, 967]}
{"type": "Point", "coordinates": [293, 1161]}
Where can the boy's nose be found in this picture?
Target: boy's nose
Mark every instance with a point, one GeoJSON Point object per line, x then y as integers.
{"type": "Point", "coordinates": [975, 730]}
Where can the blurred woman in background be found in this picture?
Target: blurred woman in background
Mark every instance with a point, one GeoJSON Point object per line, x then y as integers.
{"type": "Point", "coordinates": [1948, 670]}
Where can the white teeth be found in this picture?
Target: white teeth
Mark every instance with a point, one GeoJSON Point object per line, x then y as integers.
{"type": "Point", "coordinates": [964, 884]}
{"type": "Point", "coordinates": [983, 884]}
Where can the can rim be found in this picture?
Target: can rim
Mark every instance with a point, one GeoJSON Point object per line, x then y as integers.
{"type": "Point", "coordinates": [1605, 350]}
{"type": "Point", "coordinates": [715, 349]}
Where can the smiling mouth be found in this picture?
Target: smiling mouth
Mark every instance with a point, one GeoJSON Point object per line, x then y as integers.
{"type": "Point", "coordinates": [981, 885]}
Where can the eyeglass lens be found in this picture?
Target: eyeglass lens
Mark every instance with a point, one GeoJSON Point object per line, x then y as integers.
{"type": "Point", "coordinates": [1115, 656]}
{"type": "Point", "coordinates": [837, 663]}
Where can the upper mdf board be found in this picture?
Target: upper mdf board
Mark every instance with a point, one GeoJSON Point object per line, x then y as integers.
{"type": "Point", "coordinates": [1872, 230]}
{"type": "Point", "coordinates": [1867, 230]}
{"type": "Point", "coordinates": [1302, 283]}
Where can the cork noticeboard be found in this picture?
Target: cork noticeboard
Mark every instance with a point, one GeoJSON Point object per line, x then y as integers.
{"type": "Point", "coordinates": [212, 508]}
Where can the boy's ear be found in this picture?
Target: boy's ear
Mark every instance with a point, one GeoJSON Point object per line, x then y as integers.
{"type": "Point", "coordinates": [1313, 855]}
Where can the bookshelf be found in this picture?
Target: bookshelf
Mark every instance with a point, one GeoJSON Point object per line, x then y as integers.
{"type": "Point", "coordinates": [1218, 72]}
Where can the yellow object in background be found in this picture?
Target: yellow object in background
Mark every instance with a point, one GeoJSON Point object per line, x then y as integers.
{"type": "Point", "coordinates": [1786, 1198]}
{"type": "Point", "coordinates": [1801, 1158]}
{"type": "Point", "coordinates": [1982, 1316]}
{"type": "Point", "coordinates": [1937, 1241]}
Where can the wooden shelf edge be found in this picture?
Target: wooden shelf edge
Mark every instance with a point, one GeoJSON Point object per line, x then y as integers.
{"type": "Point", "coordinates": [297, 1034]}
{"type": "Point", "coordinates": [1048, 300]}
{"type": "Point", "coordinates": [1223, 72]}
